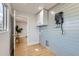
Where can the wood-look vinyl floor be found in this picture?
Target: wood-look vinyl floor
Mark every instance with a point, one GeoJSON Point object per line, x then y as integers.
{"type": "Point", "coordinates": [35, 50]}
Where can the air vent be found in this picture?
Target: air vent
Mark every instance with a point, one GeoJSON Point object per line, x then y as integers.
{"type": "Point", "coordinates": [47, 43]}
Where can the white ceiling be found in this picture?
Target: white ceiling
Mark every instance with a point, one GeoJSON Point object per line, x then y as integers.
{"type": "Point", "coordinates": [21, 19]}
{"type": "Point", "coordinates": [30, 8]}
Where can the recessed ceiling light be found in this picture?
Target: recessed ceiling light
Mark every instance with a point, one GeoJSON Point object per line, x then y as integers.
{"type": "Point", "coordinates": [40, 8]}
{"type": "Point", "coordinates": [52, 12]}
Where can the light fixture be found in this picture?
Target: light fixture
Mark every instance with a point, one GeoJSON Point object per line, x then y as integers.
{"type": "Point", "coordinates": [52, 12]}
{"type": "Point", "coordinates": [40, 8]}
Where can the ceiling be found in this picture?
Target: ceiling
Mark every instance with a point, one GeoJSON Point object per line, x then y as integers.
{"type": "Point", "coordinates": [21, 19]}
{"type": "Point", "coordinates": [30, 8]}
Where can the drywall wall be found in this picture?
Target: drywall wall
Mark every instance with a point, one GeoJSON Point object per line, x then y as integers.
{"type": "Point", "coordinates": [22, 25]}
{"type": "Point", "coordinates": [66, 44]}
{"type": "Point", "coordinates": [32, 30]}
{"type": "Point", "coordinates": [4, 44]}
{"type": "Point", "coordinates": [5, 38]}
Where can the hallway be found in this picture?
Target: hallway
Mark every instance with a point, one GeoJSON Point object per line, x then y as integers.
{"type": "Point", "coordinates": [35, 50]}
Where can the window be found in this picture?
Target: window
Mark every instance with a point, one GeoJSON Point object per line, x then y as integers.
{"type": "Point", "coordinates": [3, 17]}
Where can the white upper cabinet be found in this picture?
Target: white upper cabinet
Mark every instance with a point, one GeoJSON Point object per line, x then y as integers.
{"type": "Point", "coordinates": [42, 18]}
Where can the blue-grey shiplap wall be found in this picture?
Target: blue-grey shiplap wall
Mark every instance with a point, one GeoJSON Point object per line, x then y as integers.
{"type": "Point", "coordinates": [68, 43]}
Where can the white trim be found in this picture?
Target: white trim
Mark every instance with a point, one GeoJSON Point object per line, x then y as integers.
{"type": "Point", "coordinates": [3, 31]}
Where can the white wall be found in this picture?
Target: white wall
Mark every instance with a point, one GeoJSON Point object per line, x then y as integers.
{"type": "Point", "coordinates": [24, 26]}
{"type": "Point", "coordinates": [32, 30]}
{"type": "Point", "coordinates": [66, 44]}
{"type": "Point", "coordinates": [4, 44]}
{"type": "Point", "coordinates": [5, 40]}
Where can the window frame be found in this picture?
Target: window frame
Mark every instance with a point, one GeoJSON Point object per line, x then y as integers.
{"type": "Point", "coordinates": [5, 20]}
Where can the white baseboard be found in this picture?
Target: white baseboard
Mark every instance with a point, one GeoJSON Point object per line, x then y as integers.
{"type": "Point", "coordinates": [32, 43]}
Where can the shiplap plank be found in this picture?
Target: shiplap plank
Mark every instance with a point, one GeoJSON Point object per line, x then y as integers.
{"type": "Point", "coordinates": [66, 44]}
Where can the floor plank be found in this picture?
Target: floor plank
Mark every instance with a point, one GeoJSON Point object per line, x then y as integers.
{"type": "Point", "coordinates": [35, 50]}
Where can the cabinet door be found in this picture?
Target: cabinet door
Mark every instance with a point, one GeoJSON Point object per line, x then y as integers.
{"type": "Point", "coordinates": [37, 19]}
{"type": "Point", "coordinates": [45, 17]}
{"type": "Point", "coordinates": [42, 18]}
